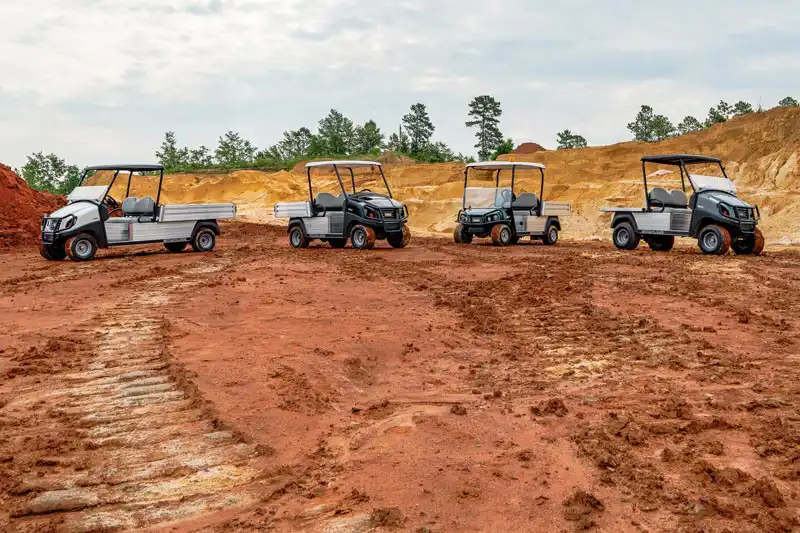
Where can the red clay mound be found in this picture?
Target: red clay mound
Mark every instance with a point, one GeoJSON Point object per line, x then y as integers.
{"type": "Point", "coordinates": [21, 209]}
{"type": "Point", "coordinates": [528, 148]}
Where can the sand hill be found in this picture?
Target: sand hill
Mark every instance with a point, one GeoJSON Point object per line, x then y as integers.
{"type": "Point", "coordinates": [760, 151]}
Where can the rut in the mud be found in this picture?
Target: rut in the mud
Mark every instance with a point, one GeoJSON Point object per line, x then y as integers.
{"type": "Point", "coordinates": [153, 454]}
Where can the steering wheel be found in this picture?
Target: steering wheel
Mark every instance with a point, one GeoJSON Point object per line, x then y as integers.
{"type": "Point", "coordinates": [111, 202]}
{"type": "Point", "coordinates": [506, 195]}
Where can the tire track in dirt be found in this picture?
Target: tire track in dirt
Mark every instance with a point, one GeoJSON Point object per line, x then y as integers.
{"type": "Point", "coordinates": [150, 453]}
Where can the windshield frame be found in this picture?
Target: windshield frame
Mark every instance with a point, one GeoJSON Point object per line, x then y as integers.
{"type": "Point", "coordinates": [352, 180]}
{"type": "Point", "coordinates": [497, 183]}
{"type": "Point", "coordinates": [130, 170]}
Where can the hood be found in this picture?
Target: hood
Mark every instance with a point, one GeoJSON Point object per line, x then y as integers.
{"type": "Point", "coordinates": [73, 209]}
{"type": "Point", "coordinates": [727, 199]}
{"type": "Point", "coordinates": [480, 211]}
{"type": "Point", "coordinates": [381, 202]}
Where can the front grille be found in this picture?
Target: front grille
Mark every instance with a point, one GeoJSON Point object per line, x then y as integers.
{"type": "Point", "coordinates": [743, 213]}
{"type": "Point", "coordinates": [748, 227]}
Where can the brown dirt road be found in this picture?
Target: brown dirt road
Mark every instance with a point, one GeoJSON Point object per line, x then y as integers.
{"type": "Point", "coordinates": [431, 389]}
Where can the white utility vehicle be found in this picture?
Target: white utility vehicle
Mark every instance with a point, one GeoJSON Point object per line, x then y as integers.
{"type": "Point", "coordinates": [361, 215]}
{"type": "Point", "coordinates": [497, 212]}
{"type": "Point", "coordinates": [93, 219]}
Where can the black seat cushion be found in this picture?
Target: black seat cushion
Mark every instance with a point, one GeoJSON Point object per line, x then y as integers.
{"type": "Point", "coordinates": [329, 201]}
{"type": "Point", "coordinates": [526, 200]}
{"type": "Point", "coordinates": [659, 197]}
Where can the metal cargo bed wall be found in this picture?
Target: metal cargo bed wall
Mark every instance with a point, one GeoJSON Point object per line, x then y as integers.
{"type": "Point", "coordinates": [556, 209]}
{"type": "Point", "coordinates": [194, 212]}
{"type": "Point", "coordinates": [292, 209]}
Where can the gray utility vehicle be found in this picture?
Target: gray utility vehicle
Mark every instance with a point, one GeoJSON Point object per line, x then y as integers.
{"type": "Point", "coordinates": [499, 213]}
{"type": "Point", "coordinates": [93, 219]}
{"type": "Point", "coordinates": [714, 214]}
{"type": "Point", "coordinates": [362, 215]}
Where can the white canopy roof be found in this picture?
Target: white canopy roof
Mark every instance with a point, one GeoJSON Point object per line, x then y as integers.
{"type": "Point", "coordinates": [343, 163]}
{"type": "Point", "coordinates": [502, 165]}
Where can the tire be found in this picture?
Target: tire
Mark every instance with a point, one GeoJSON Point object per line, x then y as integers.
{"type": "Point", "coordinates": [175, 247]}
{"type": "Point", "coordinates": [515, 240]}
{"type": "Point", "coordinates": [758, 249]}
{"type": "Point", "coordinates": [714, 240]}
{"type": "Point", "coordinates": [749, 244]}
{"type": "Point", "coordinates": [551, 235]}
{"type": "Point", "coordinates": [461, 235]}
{"type": "Point", "coordinates": [399, 239]}
{"type": "Point", "coordinates": [81, 247]}
{"type": "Point", "coordinates": [624, 236]}
{"type": "Point", "coordinates": [661, 243]}
{"type": "Point", "coordinates": [338, 243]}
{"type": "Point", "coordinates": [362, 237]}
{"type": "Point", "coordinates": [501, 235]}
{"type": "Point", "coordinates": [204, 240]}
{"type": "Point", "coordinates": [52, 252]}
{"type": "Point", "coordinates": [298, 239]}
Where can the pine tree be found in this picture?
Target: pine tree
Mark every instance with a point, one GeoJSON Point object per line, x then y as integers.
{"type": "Point", "coordinates": [485, 112]}
{"type": "Point", "coordinates": [419, 127]}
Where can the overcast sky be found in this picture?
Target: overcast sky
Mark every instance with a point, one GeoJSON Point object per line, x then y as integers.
{"type": "Point", "coordinates": [100, 81]}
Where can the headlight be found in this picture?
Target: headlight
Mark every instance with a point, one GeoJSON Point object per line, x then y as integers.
{"type": "Point", "coordinates": [725, 211]}
{"type": "Point", "coordinates": [67, 223]}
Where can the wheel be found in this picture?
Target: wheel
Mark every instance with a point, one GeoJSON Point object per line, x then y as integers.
{"type": "Point", "coordinates": [204, 240]}
{"type": "Point", "coordinates": [297, 238]}
{"type": "Point", "coordinates": [461, 235]}
{"type": "Point", "coordinates": [52, 252]}
{"type": "Point", "coordinates": [338, 243]}
{"type": "Point", "coordinates": [625, 238]}
{"type": "Point", "coordinates": [551, 235]}
{"type": "Point", "coordinates": [714, 240]}
{"type": "Point", "coordinates": [81, 247]}
{"type": "Point", "coordinates": [749, 244]}
{"type": "Point", "coordinates": [362, 237]}
{"type": "Point", "coordinates": [501, 235]}
{"type": "Point", "coordinates": [661, 243]}
{"type": "Point", "coordinates": [175, 247]}
{"type": "Point", "coordinates": [758, 249]}
{"type": "Point", "coordinates": [399, 239]}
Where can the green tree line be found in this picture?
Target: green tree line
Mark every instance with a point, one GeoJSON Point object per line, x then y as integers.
{"type": "Point", "coordinates": [337, 136]}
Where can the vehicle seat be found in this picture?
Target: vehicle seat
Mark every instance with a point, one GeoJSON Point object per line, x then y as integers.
{"type": "Point", "coordinates": [658, 196]}
{"type": "Point", "coordinates": [129, 206]}
{"type": "Point", "coordinates": [329, 201]}
{"type": "Point", "coordinates": [678, 198]}
{"type": "Point", "coordinates": [525, 201]}
{"type": "Point", "coordinates": [145, 206]}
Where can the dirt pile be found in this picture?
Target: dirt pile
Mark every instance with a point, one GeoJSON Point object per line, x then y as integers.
{"type": "Point", "coordinates": [528, 148]}
{"type": "Point", "coordinates": [21, 209]}
{"type": "Point", "coordinates": [761, 153]}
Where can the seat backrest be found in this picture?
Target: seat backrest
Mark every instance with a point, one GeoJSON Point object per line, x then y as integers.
{"type": "Point", "coordinates": [526, 200]}
{"type": "Point", "coordinates": [678, 198]}
{"type": "Point", "coordinates": [658, 196]}
{"type": "Point", "coordinates": [145, 206]}
{"type": "Point", "coordinates": [129, 205]}
{"type": "Point", "coordinates": [329, 201]}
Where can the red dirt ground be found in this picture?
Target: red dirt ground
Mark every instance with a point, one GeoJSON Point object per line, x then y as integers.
{"type": "Point", "coordinates": [432, 389]}
{"type": "Point", "coordinates": [21, 209]}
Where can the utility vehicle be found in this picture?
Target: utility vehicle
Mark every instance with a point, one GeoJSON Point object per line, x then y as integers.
{"type": "Point", "coordinates": [714, 215]}
{"type": "Point", "coordinates": [498, 212]}
{"type": "Point", "coordinates": [361, 215]}
{"type": "Point", "coordinates": [94, 219]}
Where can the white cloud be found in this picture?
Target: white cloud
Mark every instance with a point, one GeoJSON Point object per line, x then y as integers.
{"type": "Point", "coordinates": [99, 80]}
